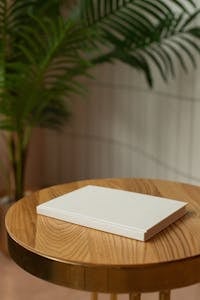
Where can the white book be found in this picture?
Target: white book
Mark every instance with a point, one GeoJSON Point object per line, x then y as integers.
{"type": "Point", "coordinates": [129, 214]}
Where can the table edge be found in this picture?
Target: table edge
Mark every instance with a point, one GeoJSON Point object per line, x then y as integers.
{"type": "Point", "coordinates": [107, 279]}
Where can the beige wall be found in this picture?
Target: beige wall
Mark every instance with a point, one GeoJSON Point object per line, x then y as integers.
{"type": "Point", "coordinates": [123, 129]}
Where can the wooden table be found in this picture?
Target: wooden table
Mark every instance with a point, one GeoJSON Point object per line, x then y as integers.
{"type": "Point", "coordinates": [91, 260]}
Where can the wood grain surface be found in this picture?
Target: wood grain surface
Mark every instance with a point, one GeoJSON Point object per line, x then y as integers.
{"type": "Point", "coordinates": [92, 260]}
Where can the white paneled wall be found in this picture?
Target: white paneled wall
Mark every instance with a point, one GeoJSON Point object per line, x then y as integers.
{"type": "Point", "coordinates": [124, 129]}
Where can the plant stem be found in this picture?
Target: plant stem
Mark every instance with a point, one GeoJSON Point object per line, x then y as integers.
{"type": "Point", "coordinates": [19, 146]}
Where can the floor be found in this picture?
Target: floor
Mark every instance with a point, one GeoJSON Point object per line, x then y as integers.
{"type": "Point", "coordinates": [15, 284]}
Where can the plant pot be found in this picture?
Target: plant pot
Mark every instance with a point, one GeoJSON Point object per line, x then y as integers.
{"type": "Point", "coordinates": [5, 203]}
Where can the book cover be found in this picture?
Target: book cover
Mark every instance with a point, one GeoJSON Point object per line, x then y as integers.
{"type": "Point", "coordinates": [133, 215]}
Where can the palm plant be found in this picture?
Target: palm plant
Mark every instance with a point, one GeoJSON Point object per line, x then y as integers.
{"type": "Point", "coordinates": [42, 53]}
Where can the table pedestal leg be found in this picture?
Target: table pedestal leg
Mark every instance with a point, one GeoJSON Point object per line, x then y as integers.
{"type": "Point", "coordinates": [164, 295]}
{"type": "Point", "coordinates": [94, 296]}
{"type": "Point", "coordinates": [135, 296]}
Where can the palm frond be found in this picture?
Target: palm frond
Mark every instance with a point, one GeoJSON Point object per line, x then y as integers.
{"type": "Point", "coordinates": [148, 32]}
{"type": "Point", "coordinates": [52, 58]}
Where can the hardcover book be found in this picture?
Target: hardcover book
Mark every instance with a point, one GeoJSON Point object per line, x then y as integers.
{"type": "Point", "coordinates": [129, 214]}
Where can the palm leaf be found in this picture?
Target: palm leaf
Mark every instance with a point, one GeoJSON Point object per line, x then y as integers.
{"type": "Point", "coordinates": [152, 31]}
{"type": "Point", "coordinates": [47, 73]}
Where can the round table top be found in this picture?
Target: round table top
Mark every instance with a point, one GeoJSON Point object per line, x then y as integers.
{"type": "Point", "coordinates": [88, 259]}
